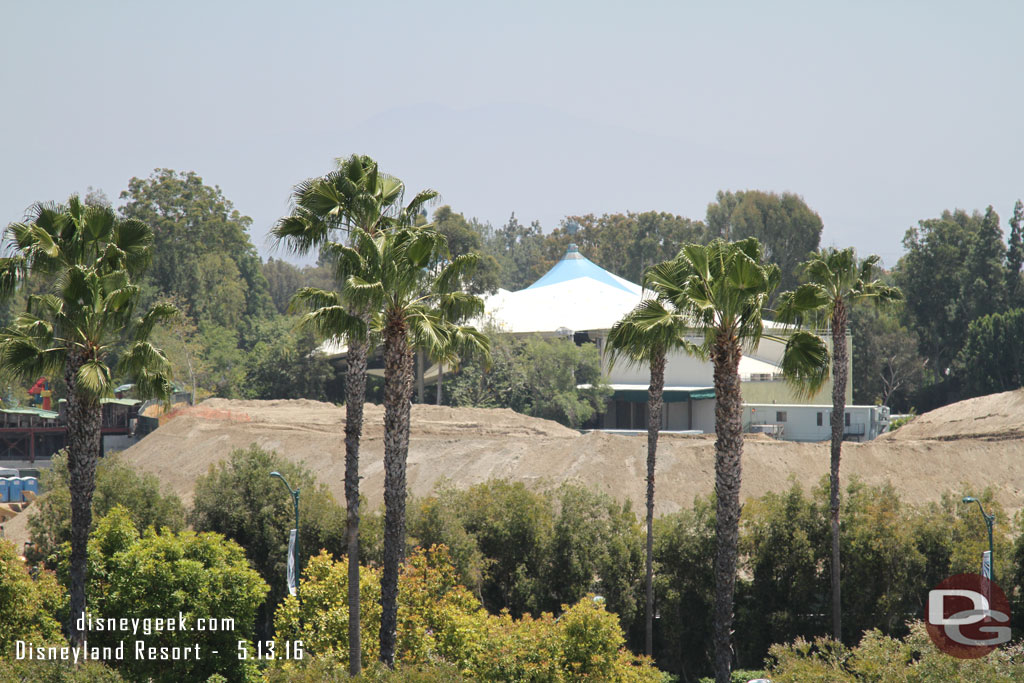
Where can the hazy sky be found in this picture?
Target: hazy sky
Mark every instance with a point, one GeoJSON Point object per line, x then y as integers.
{"type": "Point", "coordinates": [877, 113]}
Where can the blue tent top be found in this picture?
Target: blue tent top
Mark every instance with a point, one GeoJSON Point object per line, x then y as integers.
{"type": "Point", "coordinates": [575, 265]}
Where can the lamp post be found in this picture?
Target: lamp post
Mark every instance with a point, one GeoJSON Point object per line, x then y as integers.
{"type": "Point", "coordinates": [989, 520]}
{"type": "Point", "coordinates": [295, 499]}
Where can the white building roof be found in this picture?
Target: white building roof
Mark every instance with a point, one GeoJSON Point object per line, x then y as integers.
{"type": "Point", "coordinates": [576, 294]}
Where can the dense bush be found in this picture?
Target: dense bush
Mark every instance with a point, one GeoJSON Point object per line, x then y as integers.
{"type": "Point", "coordinates": [893, 553]}
{"type": "Point", "coordinates": [33, 671]}
{"type": "Point", "coordinates": [531, 552]}
{"type": "Point", "coordinates": [116, 484]}
{"type": "Point", "coordinates": [882, 659]}
{"type": "Point", "coordinates": [239, 499]}
{"type": "Point", "coordinates": [535, 376]}
{"type": "Point", "coordinates": [30, 609]}
{"type": "Point", "coordinates": [440, 620]}
{"type": "Point", "coordinates": [199, 575]}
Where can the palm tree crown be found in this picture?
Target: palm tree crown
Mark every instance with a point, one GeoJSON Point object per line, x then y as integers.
{"type": "Point", "coordinates": [88, 313]}
{"type": "Point", "coordinates": [721, 291]}
{"type": "Point", "coordinates": [834, 277]}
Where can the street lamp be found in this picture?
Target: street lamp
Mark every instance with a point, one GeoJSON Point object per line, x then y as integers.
{"type": "Point", "coordinates": [295, 499]}
{"type": "Point", "coordinates": [989, 520]}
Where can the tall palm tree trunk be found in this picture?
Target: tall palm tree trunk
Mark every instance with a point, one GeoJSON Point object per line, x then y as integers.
{"type": "Point", "coordinates": [837, 422]}
{"type": "Point", "coordinates": [440, 377]}
{"type": "Point", "coordinates": [84, 419]}
{"type": "Point", "coordinates": [728, 452]}
{"type": "Point", "coordinates": [654, 405]}
{"type": "Point", "coordinates": [398, 360]}
{"type": "Point", "coordinates": [355, 396]}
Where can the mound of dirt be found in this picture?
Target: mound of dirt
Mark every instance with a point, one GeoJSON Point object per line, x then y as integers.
{"type": "Point", "coordinates": [966, 446]}
{"type": "Point", "coordinates": [995, 417]}
{"type": "Point", "coordinates": [465, 446]}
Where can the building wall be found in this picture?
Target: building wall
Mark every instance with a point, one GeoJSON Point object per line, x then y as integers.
{"type": "Point", "coordinates": [683, 370]}
{"type": "Point", "coordinates": [801, 421]}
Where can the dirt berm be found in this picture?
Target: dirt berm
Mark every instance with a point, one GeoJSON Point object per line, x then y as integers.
{"type": "Point", "coordinates": [976, 443]}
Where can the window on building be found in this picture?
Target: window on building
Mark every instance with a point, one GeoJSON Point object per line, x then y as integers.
{"type": "Point", "coordinates": [820, 418]}
{"type": "Point", "coordinates": [847, 419]}
{"type": "Point", "coordinates": [780, 415]}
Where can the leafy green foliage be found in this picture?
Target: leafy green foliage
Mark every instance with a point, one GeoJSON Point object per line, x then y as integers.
{"type": "Point", "coordinates": [204, 260]}
{"type": "Point", "coordinates": [883, 659]}
{"type": "Point", "coordinates": [784, 224]}
{"type": "Point", "coordinates": [284, 279]}
{"type": "Point", "coordinates": [626, 244]}
{"type": "Point", "coordinates": [441, 622]}
{"type": "Point", "coordinates": [992, 358]}
{"type": "Point", "coordinates": [466, 237]}
{"type": "Point", "coordinates": [524, 551]}
{"type": "Point", "coordinates": [239, 499]}
{"type": "Point", "coordinates": [949, 277]}
{"type": "Point", "coordinates": [199, 237]}
{"type": "Point", "coordinates": [116, 484]}
{"type": "Point", "coordinates": [84, 322]}
{"type": "Point", "coordinates": [887, 368]}
{"type": "Point", "coordinates": [536, 376]}
{"type": "Point", "coordinates": [893, 553]}
{"type": "Point", "coordinates": [285, 364]}
{"type": "Point", "coordinates": [521, 252]}
{"type": "Point", "coordinates": [30, 608]}
{"type": "Point", "coordinates": [35, 671]}
{"type": "Point", "coordinates": [198, 575]}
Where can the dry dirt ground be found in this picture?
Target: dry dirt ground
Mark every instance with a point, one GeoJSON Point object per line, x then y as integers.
{"type": "Point", "coordinates": [977, 443]}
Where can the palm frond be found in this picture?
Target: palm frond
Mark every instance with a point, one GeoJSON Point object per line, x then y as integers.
{"type": "Point", "coordinates": [159, 313]}
{"type": "Point", "coordinates": [93, 380]}
{"type": "Point", "coordinates": [794, 307]}
{"type": "Point", "coordinates": [805, 363]}
{"type": "Point", "coordinates": [311, 298]}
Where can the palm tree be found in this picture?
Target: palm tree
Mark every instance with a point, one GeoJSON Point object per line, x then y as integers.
{"type": "Point", "coordinates": [835, 281]}
{"type": "Point", "coordinates": [722, 288]}
{"type": "Point", "coordinates": [76, 327]}
{"type": "Point", "coordinates": [354, 196]}
{"type": "Point", "coordinates": [644, 336]}
{"type": "Point", "coordinates": [405, 276]}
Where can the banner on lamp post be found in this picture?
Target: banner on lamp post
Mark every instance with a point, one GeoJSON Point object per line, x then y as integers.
{"type": "Point", "coordinates": [292, 573]}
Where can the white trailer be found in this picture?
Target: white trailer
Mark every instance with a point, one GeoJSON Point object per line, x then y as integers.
{"type": "Point", "coordinates": [794, 422]}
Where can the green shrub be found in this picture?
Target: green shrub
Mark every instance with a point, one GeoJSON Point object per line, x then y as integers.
{"type": "Point", "coordinates": [882, 659]}
{"type": "Point", "coordinates": [26, 671]}
{"type": "Point", "coordinates": [441, 622]}
{"type": "Point", "coordinates": [200, 575]}
{"type": "Point", "coordinates": [116, 484]}
{"type": "Point", "coordinates": [29, 609]}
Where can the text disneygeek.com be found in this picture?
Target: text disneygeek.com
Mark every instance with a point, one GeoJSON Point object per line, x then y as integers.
{"type": "Point", "coordinates": [140, 649]}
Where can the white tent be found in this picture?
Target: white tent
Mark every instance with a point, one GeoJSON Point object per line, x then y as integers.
{"type": "Point", "coordinates": [576, 294]}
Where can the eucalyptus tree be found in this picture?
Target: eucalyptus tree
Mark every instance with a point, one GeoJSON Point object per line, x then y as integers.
{"type": "Point", "coordinates": [835, 281]}
{"type": "Point", "coordinates": [405, 276]}
{"type": "Point", "coordinates": [645, 336]}
{"type": "Point", "coordinates": [355, 196]}
{"type": "Point", "coordinates": [79, 326]}
{"type": "Point", "coordinates": [722, 289]}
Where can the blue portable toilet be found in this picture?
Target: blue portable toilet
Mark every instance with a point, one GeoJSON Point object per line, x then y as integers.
{"type": "Point", "coordinates": [5, 495]}
{"type": "Point", "coordinates": [30, 484]}
{"type": "Point", "coordinates": [14, 490]}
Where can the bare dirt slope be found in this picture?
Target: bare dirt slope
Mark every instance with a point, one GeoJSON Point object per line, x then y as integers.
{"type": "Point", "coordinates": [974, 443]}
{"type": "Point", "coordinates": [992, 417]}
